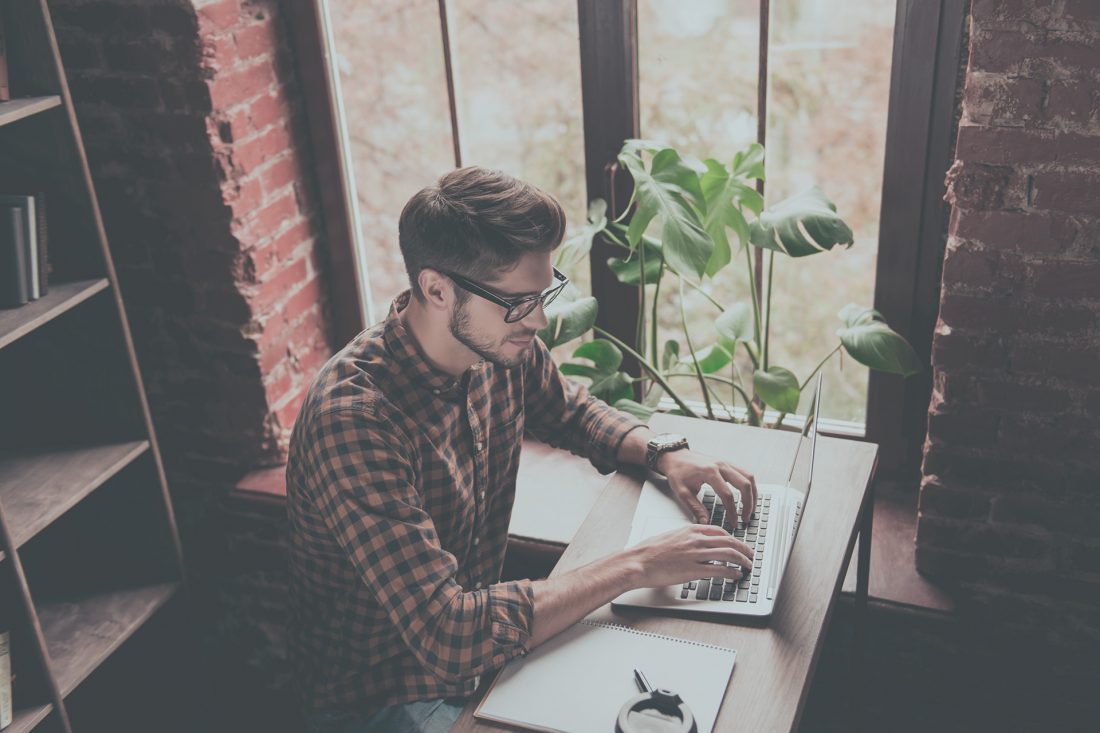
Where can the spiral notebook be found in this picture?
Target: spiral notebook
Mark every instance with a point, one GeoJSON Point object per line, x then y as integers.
{"type": "Point", "coordinates": [577, 681]}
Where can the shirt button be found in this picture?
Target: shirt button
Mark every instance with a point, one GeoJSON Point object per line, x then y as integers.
{"type": "Point", "coordinates": [479, 445]}
{"type": "Point", "coordinates": [477, 585]}
{"type": "Point", "coordinates": [435, 391]}
{"type": "Point", "coordinates": [482, 494]}
{"type": "Point", "coordinates": [477, 540]}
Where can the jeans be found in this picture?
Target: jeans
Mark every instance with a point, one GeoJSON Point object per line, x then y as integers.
{"type": "Point", "coordinates": [421, 716]}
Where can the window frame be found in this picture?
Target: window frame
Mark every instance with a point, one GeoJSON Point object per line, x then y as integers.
{"type": "Point", "coordinates": [920, 136]}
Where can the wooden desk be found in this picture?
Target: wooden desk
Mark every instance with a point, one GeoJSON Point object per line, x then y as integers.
{"type": "Point", "coordinates": [775, 663]}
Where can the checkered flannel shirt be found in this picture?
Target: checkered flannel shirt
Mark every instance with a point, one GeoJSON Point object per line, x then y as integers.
{"type": "Point", "coordinates": [400, 486]}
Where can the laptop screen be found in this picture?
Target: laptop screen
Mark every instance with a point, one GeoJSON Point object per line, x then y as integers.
{"type": "Point", "coordinates": [803, 464]}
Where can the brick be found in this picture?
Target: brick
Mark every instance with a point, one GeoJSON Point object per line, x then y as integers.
{"type": "Point", "coordinates": [280, 173]}
{"type": "Point", "coordinates": [1075, 517]}
{"type": "Point", "coordinates": [969, 265]}
{"type": "Point", "coordinates": [944, 564]}
{"type": "Point", "coordinates": [1067, 280]}
{"type": "Point", "coordinates": [1068, 191]}
{"type": "Point", "coordinates": [1000, 471]}
{"type": "Point", "coordinates": [1074, 100]}
{"type": "Point", "coordinates": [268, 110]}
{"type": "Point", "coordinates": [276, 288]}
{"type": "Point", "coordinates": [977, 186]}
{"type": "Point", "coordinates": [971, 428]}
{"type": "Point", "coordinates": [309, 296]}
{"type": "Point", "coordinates": [1076, 362]}
{"type": "Point", "coordinates": [273, 217]}
{"type": "Point", "coordinates": [1085, 558]}
{"type": "Point", "coordinates": [1000, 51]}
{"type": "Point", "coordinates": [279, 249]}
{"type": "Point", "coordinates": [995, 99]}
{"type": "Point", "coordinates": [980, 313]}
{"type": "Point", "coordinates": [1026, 232]}
{"type": "Point", "coordinates": [954, 350]}
{"type": "Point", "coordinates": [1014, 146]}
{"type": "Point", "coordinates": [256, 151]}
{"type": "Point", "coordinates": [256, 40]}
{"type": "Point", "coordinates": [956, 503]}
{"type": "Point", "coordinates": [240, 85]}
{"type": "Point", "coordinates": [219, 16]}
{"type": "Point", "coordinates": [1064, 436]}
{"type": "Point", "coordinates": [1020, 397]}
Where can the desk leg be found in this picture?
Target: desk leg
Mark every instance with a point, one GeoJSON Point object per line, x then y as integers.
{"type": "Point", "coordinates": [858, 669]}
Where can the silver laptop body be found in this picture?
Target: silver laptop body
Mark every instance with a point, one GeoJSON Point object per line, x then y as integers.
{"type": "Point", "coordinates": [771, 532]}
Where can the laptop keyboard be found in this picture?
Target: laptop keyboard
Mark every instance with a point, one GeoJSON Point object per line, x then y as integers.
{"type": "Point", "coordinates": [754, 533]}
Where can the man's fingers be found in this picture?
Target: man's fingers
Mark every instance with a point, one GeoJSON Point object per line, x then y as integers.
{"type": "Point", "coordinates": [718, 483]}
{"type": "Point", "coordinates": [746, 484]}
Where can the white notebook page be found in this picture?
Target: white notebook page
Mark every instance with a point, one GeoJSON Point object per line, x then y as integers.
{"type": "Point", "coordinates": [578, 681]}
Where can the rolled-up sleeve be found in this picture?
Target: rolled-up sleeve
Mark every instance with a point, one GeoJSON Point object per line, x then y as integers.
{"type": "Point", "coordinates": [563, 413]}
{"type": "Point", "coordinates": [365, 485]}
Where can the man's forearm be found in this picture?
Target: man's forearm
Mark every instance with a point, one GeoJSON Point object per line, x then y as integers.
{"type": "Point", "coordinates": [632, 449]}
{"type": "Point", "coordinates": [563, 601]}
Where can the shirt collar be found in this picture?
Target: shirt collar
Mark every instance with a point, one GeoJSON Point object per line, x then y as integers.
{"type": "Point", "coordinates": [411, 360]}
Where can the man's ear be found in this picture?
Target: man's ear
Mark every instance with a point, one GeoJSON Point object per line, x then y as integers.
{"type": "Point", "coordinates": [437, 288]}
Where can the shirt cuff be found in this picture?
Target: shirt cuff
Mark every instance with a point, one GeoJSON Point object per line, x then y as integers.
{"type": "Point", "coordinates": [607, 436]}
{"type": "Point", "coordinates": [511, 610]}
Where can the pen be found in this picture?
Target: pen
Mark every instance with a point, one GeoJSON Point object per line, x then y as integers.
{"type": "Point", "coordinates": [643, 683]}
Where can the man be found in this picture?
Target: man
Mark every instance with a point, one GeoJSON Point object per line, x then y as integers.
{"type": "Point", "coordinates": [402, 471]}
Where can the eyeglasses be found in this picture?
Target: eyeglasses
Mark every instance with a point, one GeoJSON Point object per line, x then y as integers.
{"type": "Point", "coordinates": [518, 309]}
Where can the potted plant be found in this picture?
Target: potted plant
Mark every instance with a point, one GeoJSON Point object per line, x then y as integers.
{"type": "Point", "coordinates": [710, 217]}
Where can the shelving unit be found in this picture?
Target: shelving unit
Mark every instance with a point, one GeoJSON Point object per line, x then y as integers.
{"type": "Point", "coordinates": [89, 551]}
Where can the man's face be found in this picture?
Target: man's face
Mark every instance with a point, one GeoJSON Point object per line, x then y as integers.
{"type": "Point", "coordinates": [479, 324]}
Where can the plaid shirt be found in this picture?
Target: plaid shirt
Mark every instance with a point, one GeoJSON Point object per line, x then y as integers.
{"type": "Point", "coordinates": [400, 485]}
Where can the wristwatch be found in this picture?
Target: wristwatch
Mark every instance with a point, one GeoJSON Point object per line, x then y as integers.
{"type": "Point", "coordinates": [660, 444]}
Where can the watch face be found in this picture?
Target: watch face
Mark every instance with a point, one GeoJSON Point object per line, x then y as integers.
{"type": "Point", "coordinates": [667, 439]}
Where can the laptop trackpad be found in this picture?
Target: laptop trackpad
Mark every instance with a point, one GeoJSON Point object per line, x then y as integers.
{"type": "Point", "coordinates": [653, 524]}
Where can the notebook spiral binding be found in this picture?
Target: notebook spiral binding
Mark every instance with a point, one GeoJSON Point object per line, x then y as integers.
{"type": "Point", "coordinates": [639, 632]}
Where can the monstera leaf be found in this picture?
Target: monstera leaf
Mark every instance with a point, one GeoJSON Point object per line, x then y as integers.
{"type": "Point", "coordinates": [873, 343]}
{"type": "Point", "coordinates": [725, 193]}
{"type": "Point", "coordinates": [669, 189]}
{"type": "Point", "coordinates": [735, 324]}
{"type": "Point", "coordinates": [629, 270]}
{"type": "Point", "coordinates": [570, 316]}
{"type": "Point", "coordinates": [710, 358]}
{"type": "Point", "coordinates": [608, 383]}
{"type": "Point", "coordinates": [804, 224]}
{"type": "Point", "coordinates": [638, 410]}
{"type": "Point", "coordinates": [778, 387]}
{"type": "Point", "coordinates": [575, 249]}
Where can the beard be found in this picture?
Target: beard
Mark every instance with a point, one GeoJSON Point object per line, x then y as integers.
{"type": "Point", "coordinates": [461, 329]}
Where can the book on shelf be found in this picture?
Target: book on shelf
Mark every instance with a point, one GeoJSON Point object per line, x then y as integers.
{"type": "Point", "coordinates": [5, 88]}
{"type": "Point", "coordinates": [23, 249]}
{"type": "Point", "coordinates": [14, 269]}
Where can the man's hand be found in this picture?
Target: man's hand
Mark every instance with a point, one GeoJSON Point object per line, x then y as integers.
{"type": "Point", "coordinates": [688, 553]}
{"type": "Point", "coordinates": [688, 470]}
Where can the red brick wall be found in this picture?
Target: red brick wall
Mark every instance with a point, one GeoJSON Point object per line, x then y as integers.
{"type": "Point", "coordinates": [193, 127]}
{"type": "Point", "coordinates": [1010, 499]}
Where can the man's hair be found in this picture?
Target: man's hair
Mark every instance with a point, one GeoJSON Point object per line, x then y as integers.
{"type": "Point", "coordinates": [478, 223]}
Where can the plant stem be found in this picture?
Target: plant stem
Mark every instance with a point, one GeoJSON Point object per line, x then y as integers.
{"type": "Point", "coordinates": [706, 295]}
{"type": "Point", "coordinates": [653, 318]}
{"type": "Point", "coordinates": [722, 380]}
{"type": "Point", "coordinates": [768, 306]}
{"type": "Point", "coordinates": [691, 350]}
{"type": "Point", "coordinates": [639, 330]}
{"type": "Point", "coordinates": [818, 367]}
{"type": "Point", "coordinates": [752, 292]}
{"type": "Point", "coordinates": [648, 367]}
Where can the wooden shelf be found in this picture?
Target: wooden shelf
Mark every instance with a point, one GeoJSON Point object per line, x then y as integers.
{"type": "Point", "coordinates": [81, 634]}
{"type": "Point", "coordinates": [16, 109]}
{"type": "Point", "coordinates": [38, 488]}
{"type": "Point", "coordinates": [26, 719]}
{"type": "Point", "coordinates": [18, 322]}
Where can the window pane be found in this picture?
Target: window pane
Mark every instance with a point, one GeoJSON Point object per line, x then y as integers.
{"type": "Point", "coordinates": [829, 84]}
{"type": "Point", "coordinates": [518, 87]}
{"type": "Point", "coordinates": [389, 54]}
{"type": "Point", "coordinates": [697, 69]}
{"type": "Point", "coordinates": [829, 76]}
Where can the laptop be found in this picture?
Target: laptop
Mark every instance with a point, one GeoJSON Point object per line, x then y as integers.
{"type": "Point", "coordinates": [770, 531]}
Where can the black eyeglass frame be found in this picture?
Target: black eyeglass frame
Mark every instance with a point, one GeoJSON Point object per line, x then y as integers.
{"type": "Point", "coordinates": [545, 297]}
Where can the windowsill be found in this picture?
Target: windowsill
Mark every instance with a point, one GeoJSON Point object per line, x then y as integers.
{"type": "Point", "coordinates": [894, 577]}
